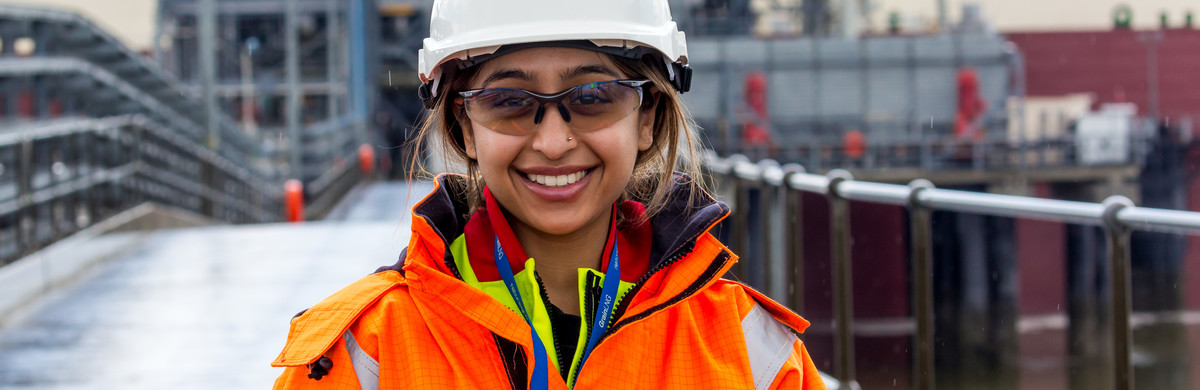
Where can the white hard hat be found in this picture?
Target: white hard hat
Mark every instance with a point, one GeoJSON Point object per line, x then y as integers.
{"type": "Point", "coordinates": [471, 30]}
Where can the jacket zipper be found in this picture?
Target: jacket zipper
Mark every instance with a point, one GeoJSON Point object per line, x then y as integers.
{"type": "Point", "coordinates": [553, 320]}
{"type": "Point", "coordinates": [591, 298]}
{"type": "Point", "coordinates": [708, 275]}
{"type": "Point", "coordinates": [622, 303]}
{"type": "Point", "coordinates": [683, 251]}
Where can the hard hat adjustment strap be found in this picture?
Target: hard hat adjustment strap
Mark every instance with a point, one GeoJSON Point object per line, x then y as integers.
{"type": "Point", "coordinates": [681, 77]}
{"type": "Point", "coordinates": [428, 91]}
{"type": "Point", "coordinates": [425, 92]}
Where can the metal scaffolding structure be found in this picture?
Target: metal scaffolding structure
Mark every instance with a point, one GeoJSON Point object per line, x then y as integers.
{"type": "Point", "coordinates": [899, 93]}
{"type": "Point", "coordinates": [101, 60]}
{"type": "Point", "coordinates": [282, 68]}
{"type": "Point", "coordinates": [94, 129]}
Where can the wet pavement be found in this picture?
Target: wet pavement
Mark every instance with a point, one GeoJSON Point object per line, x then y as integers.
{"type": "Point", "coordinates": [383, 202]}
{"type": "Point", "coordinates": [201, 308]}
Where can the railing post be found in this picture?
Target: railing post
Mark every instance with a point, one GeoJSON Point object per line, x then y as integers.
{"type": "Point", "coordinates": [741, 206]}
{"type": "Point", "coordinates": [920, 218]}
{"type": "Point", "coordinates": [741, 230]}
{"type": "Point", "coordinates": [208, 182]}
{"type": "Point", "coordinates": [139, 140]}
{"type": "Point", "coordinates": [769, 270]}
{"type": "Point", "coordinates": [1118, 258]}
{"type": "Point", "coordinates": [25, 217]}
{"type": "Point", "coordinates": [794, 228]}
{"type": "Point", "coordinates": [87, 159]}
{"type": "Point", "coordinates": [843, 289]}
{"type": "Point", "coordinates": [57, 165]}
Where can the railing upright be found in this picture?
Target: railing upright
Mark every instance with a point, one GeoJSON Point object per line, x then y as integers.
{"type": "Point", "coordinates": [770, 234]}
{"type": "Point", "coordinates": [739, 223]}
{"type": "Point", "coordinates": [921, 226]}
{"type": "Point", "coordinates": [843, 281]}
{"type": "Point", "coordinates": [794, 232]}
{"type": "Point", "coordinates": [1118, 260]}
{"type": "Point", "coordinates": [25, 216]}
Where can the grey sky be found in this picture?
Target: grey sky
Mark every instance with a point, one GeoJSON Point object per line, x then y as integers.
{"type": "Point", "coordinates": [133, 20]}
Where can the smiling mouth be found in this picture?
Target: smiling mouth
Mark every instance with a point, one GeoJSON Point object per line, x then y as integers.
{"type": "Point", "coordinates": [558, 180]}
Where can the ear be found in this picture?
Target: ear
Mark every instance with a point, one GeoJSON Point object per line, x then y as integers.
{"type": "Point", "coordinates": [464, 123]}
{"type": "Point", "coordinates": [646, 125]}
{"type": "Point", "coordinates": [468, 138]}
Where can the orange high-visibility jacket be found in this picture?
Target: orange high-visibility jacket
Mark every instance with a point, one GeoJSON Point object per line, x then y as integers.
{"type": "Point", "coordinates": [418, 325]}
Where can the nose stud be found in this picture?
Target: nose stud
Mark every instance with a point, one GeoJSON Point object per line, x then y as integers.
{"type": "Point", "coordinates": [569, 139]}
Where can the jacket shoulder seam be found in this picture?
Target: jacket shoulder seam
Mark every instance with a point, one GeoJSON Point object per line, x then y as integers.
{"type": "Point", "coordinates": [321, 326]}
{"type": "Point", "coordinates": [781, 313]}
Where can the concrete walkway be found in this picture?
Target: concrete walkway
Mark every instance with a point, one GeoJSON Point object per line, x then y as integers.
{"type": "Point", "coordinates": [202, 308]}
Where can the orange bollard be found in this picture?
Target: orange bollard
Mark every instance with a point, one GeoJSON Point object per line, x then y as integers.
{"type": "Point", "coordinates": [854, 144]}
{"type": "Point", "coordinates": [366, 159]}
{"type": "Point", "coordinates": [293, 198]}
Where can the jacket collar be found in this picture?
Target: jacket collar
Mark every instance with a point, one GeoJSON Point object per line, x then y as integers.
{"type": "Point", "coordinates": [679, 236]}
{"type": "Point", "coordinates": [443, 215]}
{"type": "Point", "coordinates": [491, 223]}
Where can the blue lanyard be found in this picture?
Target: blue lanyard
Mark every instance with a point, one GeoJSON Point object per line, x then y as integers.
{"type": "Point", "coordinates": [539, 380]}
{"type": "Point", "coordinates": [608, 298]}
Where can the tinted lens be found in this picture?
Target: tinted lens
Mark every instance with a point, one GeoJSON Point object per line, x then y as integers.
{"type": "Point", "coordinates": [598, 105]}
{"type": "Point", "coordinates": [592, 106]}
{"type": "Point", "coordinates": [502, 108]}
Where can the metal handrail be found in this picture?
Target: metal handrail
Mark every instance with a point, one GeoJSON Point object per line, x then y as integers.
{"type": "Point", "coordinates": [1116, 215]}
{"type": "Point", "coordinates": [44, 66]}
{"type": "Point", "coordinates": [136, 68]}
{"type": "Point", "coordinates": [1086, 213]}
{"type": "Point", "coordinates": [63, 189]}
{"type": "Point", "coordinates": [113, 163]}
{"type": "Point", "coordinates": [57, 128]}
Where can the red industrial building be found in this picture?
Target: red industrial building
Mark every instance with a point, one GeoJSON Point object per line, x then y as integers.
{"type": "Point", "coordinates": [1116, 66]}
{"type": "Point", "coordinates": [1122, 66]}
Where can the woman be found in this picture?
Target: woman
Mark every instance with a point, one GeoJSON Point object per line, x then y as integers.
{"type": "Point", "coordinates": [572, 254]}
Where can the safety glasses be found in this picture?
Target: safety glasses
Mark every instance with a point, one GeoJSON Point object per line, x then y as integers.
{"type": "Point", "coordinates": [584, 107]}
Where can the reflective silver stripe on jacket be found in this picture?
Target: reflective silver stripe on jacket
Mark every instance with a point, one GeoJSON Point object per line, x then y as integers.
{"type": "Point", "coordinates": [769, 344]}
{"type": "Point", "coordinates": [366, 367]}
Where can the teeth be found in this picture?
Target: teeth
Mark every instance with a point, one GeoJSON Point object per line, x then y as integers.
{"type": "Point", "coordinates": [557, 181]}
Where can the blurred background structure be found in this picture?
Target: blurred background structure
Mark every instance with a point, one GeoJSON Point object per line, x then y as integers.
{"type": "Point", "coordinates": [1007, 275]}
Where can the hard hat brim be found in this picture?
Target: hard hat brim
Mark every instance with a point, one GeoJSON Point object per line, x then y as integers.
{"type": "Point", "coordinates": [667, 40]}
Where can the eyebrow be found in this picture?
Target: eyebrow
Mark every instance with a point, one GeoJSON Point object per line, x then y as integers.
{"type": "Point", "coordinates": [510, 73]}
{"type": "Point", "coordinates": [589, 69]}
{"type": "Point", "coordinates": [513, 73]}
